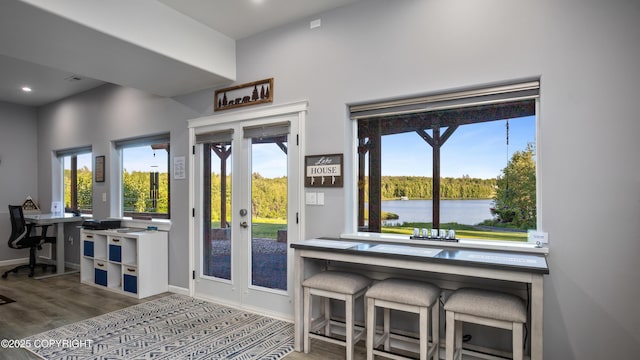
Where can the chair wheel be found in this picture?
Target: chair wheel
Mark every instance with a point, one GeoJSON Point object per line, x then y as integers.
{"type": "Point", "coordinates": [30, 274]}
{"type": "Point", "coordinates": [4, 276]}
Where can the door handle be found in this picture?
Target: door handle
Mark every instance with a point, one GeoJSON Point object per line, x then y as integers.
{"type": "Point", "coordinates": [244, 224]}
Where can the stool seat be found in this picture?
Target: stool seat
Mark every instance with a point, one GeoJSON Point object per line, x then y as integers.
{"type": "Point", "coordinates": [405, 291]}
{"type": "Point", "coordinates": [338, 281]}
{"type": "Point", "coordinates": [403, 295]}
{"type": "Point", "coordinates": [488, 304]}
{"type": "Point", "coordinates": [338, 285]}
{"type": "Point", "coordinates": [484, 307]}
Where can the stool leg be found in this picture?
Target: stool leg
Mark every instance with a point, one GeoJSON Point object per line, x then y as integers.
{"type": "Point", "coordinates": [517, 341]}
{"type": "Point", "coordinates": [435, 329]}
{"type": "Point", "coordinates": [349, 315]}
{"type": "Point", "coordinates": [386, 326]}
{"type": "Point", "coordinates": [450, 322]}
{"type": "Point", "coordinates": [307, 319]}
{"type": "Point", "coordinates": [424, 332]}
{"type": "Point", "coordinates": [326, 304]}
{"type": "Point", "coordinates": [371, 327]}
{"type": "Point", "coordinates": [458, 340]}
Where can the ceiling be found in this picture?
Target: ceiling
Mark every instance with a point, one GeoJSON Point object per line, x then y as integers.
{"type": "Point", "coordinates": [66, 47]}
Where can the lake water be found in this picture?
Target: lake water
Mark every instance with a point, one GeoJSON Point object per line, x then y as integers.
{"type": "Point", "coordinates": [468, 212]}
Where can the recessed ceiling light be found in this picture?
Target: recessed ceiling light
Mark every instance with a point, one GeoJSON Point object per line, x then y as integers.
{"type": "Point", "coordinates": [26, 89]}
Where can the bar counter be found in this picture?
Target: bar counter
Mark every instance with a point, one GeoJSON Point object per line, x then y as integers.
{"type": "Point", "coordinates": [488, 264]}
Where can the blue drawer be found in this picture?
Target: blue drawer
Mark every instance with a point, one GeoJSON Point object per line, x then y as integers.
{"type": "Point", "coordinates": [101, 277]}
{"type": "Point", "coordinates": [115, 253]}
{"type": "Point", "coordinates": [130, 283]}
{"type": "Point", "coordinates": [88, 248]}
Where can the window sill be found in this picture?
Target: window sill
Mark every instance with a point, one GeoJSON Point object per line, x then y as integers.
{"type": "Point", "coordinates": [463, 243]}
{"type": "Point", "coordinates": [162, 224]}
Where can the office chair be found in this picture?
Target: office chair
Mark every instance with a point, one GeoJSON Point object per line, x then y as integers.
{"type": "Point", "coordinates": [21, 239]}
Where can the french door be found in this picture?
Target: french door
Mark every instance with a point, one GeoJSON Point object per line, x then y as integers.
{"type": "Point", "coordinates": [247, 209]}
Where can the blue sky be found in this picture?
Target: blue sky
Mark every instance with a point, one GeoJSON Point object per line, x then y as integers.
{"type": "Point", "coordinates": [137, 159]}
{"type": "Point", "coordinates": [477, 150]}
{"type": "Point", "coordinates": [143, 159]}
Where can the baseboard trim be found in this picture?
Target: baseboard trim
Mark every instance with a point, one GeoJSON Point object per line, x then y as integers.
{"type": "Point", "coordinates": [13, 262]}
{"type": "Point", "coordinates": [244, 307]}
{"type": "Point", "coordinates": [178, 290]}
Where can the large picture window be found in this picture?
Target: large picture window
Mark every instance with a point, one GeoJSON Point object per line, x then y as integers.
{"type": "Point", "coordinates": [463, 161]}
{"type": "Point", "coordinates": [145, 177]}
{"type": "Point", "coordinates": [77, 183]}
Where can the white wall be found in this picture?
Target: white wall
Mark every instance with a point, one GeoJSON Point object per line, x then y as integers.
{"type": "Point", "coordinates": [586, 54]}
{"type": "Point", "coordinates": [18, 175]}
{"type": "Point", "coordinates": [107, 113]}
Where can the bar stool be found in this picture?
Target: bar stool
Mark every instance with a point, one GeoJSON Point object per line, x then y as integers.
{"type": "Point", "coordinates": [484, 307]}
{"type": "Point", "coordinates": [404, 295]}
{"type": "Point", "coordinates": [338, 285]}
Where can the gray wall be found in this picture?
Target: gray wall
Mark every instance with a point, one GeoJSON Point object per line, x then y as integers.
{"type": "Point", "coordinates": [586, 55]}
{"type": "Point", "coordinates": [96, 118]}
{"type": "Point", "coordinates": [18, 175]}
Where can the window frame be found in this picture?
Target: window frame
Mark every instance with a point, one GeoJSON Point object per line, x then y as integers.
{"type": "Point", "coordinates": [529, 89]}
{"type": "Point", "coordinates": [119, 146]}
{"type": "Point", "coordinates": [73, 153]}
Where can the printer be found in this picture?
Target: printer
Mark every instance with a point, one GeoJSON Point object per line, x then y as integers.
{"type": "Point", "coordinates": [101, 224]}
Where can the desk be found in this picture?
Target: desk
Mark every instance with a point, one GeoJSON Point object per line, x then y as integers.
{"type": "Point", "coordinates": [58, 221]}
{"type": "Point", "coordinates": [516, 267]}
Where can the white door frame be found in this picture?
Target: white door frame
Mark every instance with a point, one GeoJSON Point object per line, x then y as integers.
{"type": "Point", "coordinates": [194, 125]}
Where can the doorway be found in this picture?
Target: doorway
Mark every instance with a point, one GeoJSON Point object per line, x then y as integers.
{"type": "Point", "coordinates": [247, 211]}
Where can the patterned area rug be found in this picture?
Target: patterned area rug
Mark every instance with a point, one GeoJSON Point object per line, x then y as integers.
{"type": "Point", "coordinates": [5, 300]}
{"type": "Point", "coordinates": [172, 327]}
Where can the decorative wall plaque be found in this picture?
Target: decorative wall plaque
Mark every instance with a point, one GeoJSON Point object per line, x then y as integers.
{"type": "Point", "coordinates": [253, 93]}
{"type": "Point", "coordinates": [323, 171]}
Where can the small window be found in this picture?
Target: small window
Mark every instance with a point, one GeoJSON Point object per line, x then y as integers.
{"type": "Point", "coordinates": [145, 177]}
{"type": "Point", "coordinates": [461, 161]}
{"type": "Point", "coordinates": [77, 184]}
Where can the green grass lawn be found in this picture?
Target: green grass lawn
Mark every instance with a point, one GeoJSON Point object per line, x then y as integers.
{"type": "Point", "coordinates": [263, 228]}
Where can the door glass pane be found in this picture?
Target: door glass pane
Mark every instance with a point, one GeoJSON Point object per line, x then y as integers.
{"type": "Point", "coordinates": [269, 212]}
{"type": "Point", "coordinates": [217, 210]}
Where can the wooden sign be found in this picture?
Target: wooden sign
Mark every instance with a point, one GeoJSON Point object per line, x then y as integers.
{"type": "Point", "coordinates": [323, 171]}
{"type": "Point", "coordinates": [253, 93]}
{"type": "Point", "coordinates": [29, 206]}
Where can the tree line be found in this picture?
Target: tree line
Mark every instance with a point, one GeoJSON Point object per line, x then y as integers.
{"type": "Point", "coordinates": [421, 187]}
{"type": "Point", "coordinates": [137, 191]}
{"type": "Point", "coordinates": [268, 197]}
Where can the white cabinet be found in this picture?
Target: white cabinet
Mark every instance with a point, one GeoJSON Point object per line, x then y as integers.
{"type": "Point", "coordinates": [131, 262]}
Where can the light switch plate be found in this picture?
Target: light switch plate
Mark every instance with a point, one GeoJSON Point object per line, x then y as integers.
{"type": "Point", "coordinates": [320, 198]}
{"type": "Point", "coordinates": [311, 198]}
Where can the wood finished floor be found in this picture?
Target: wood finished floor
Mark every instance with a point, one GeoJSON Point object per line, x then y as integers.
{"type": "Point", "coordinates": [46, 304]}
